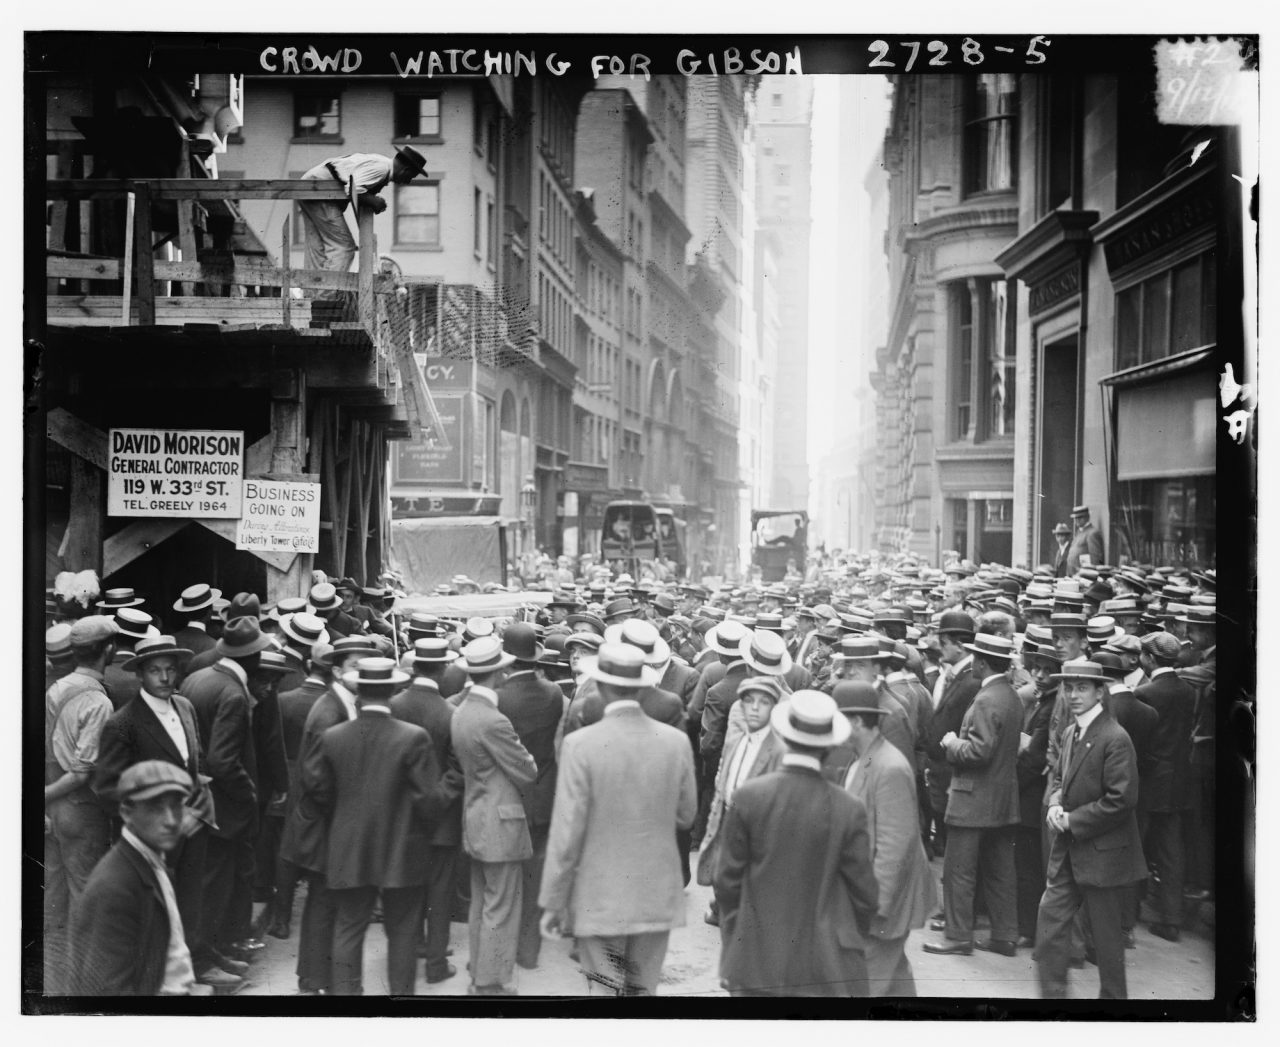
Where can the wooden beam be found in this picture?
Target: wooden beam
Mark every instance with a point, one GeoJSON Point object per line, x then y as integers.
{"type": "Point", "coordinates": [196, 188]}
{"type": "Point", "coordinates": [104, 311]}
{"type": "Point", "coordinates": [81, 548]}
{"type": "Point", "coordinates": [186, 243]}
{"type": "Point", "coordinates": [210, 271]}
{"type": "Point", "coordinates": [367, 264]}
{"type": "Point", "coordinates": [145, 260]}
{"type": "Point", "coordinates": [286, 284]}
{"type": "Point", "coordinates": [139, 537]}
{"type": "Point", "coordinates": [80, 438]}
{"type": "Point", "coordinates": [227, 529]}
{"type": "Point", "coordinates": [127, 269]}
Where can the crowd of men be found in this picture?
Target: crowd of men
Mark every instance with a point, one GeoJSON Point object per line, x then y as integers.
{"type": "Point", "coordinates": [813, 743]}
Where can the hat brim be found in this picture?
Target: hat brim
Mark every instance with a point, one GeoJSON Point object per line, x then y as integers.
{"type": "Point", "coordinates": [1061, 677]}
{"type": "Point", "coordinates": [272, 667]}
{"type": "Point", "coordinates": [875, 710]}
{"type": "Point", "coordinates": [159, 789]}
{"type": "Point", "coordinates": [781, 723]}
{"type": "Point", "coordinates": [539, 652]}
{"type": "Point", "coordinates": [351, 681]}
{"type": "Point", "coordinates": [328, 657]}
{"type": "Point", "coordinates": [418, 162]}
{"type": "Point", "coordinates": [489, 667]}
{"type": "Point", "coordinates": [781, 669]}
{"type": "Point", "coordinates": [648, 676]}
{"type": "Point", "coordinates": [985, 653]}
{"type": "Point", "coordinates": [207, 602]}
{"type": "Point", "coordinates": [449, 656]}
{"type": "Point", "coordinates": [136, 602]}
{"type": "Point", "coordinates": [180, 653]}
{"type": "Point", "coordinates": [224, 650]}
{"type": "Point", "coordinates": [310, 641]}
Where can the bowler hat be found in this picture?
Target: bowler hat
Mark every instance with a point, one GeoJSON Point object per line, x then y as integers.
{"type": "Point", "coordinates": [1112, 667]}
{"type": "Point", "coordinates": [242, 637]}
{"type": "Point", "coordinates": [856, 696]}
{"type": "Point", "coordinates": [151, 778]}
{"type": "Point", "coordinates": [809, 718]}
{"type": "Point", "coordinates": [155, 647]}
{"type": "Point", "coordinates": [521, 642]}
{"type": "Point", "coordinates": [956, 622]}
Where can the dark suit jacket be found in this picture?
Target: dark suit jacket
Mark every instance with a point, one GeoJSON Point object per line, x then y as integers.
{"type": "Point", "coordinates": [715, 713]}
{"type": "Point", "coordinates": [663, 706]}
{"type": "Point", "coordinates": [194, 640]}
{"type": "Point", "coordinates": [1139, 721]}
{"type": "Point", "coordinates": [200, 660]}
{"type": "Point", "coordinates": [120, 928]}
{"type": "Point", "coordinates": [135, 734]}
{"type": "Point", "coordinates": [796, 887]}
{"type": "Point", "coordinates": [1033, 760]}
{"type": "Point", "coordinates": [378, 779]}
{"type": "Point", "coordinates": [268, 743]}
{"type": "Point", "coordinates": [767, 760]}
{"type": "Point", "coordinates": [1174, 701]}
{"type": "Point", "coordinates": [949, 713]}
{"type": "Point", "coordinates": [224, 711]}
{"type": "Point", "coordinates": [984, 780]}
{"type": "Point", "coordinates": [295, 706]}
{"type": "Point", "coordinates": [453, 681]}
{"type": "Point", "coordinates": [1096, 782]}
{"type": "Point", "coordinates": [420, 703]}
{"type": "Point", "coordinates": [681, 681]}
{"type": "Point", "coordinates": [121, 687]}
{"type": "Point", "coordinates": [305, 827]}
{"type": "Point", "coordinates": [341, 624]}
{"type": "Point", "coordinates": [1087, 540]}
{"type": "Point", "coordinates": [535, 707]}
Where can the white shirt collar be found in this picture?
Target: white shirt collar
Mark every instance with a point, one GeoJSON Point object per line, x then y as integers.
{"type": "Point", "coordinates": [1084, 719]}
{"type": "Point", "coordinates": [620, 704]}
{"type": "Point", "coordinates": [374, 707]}
{"type": "Point", "coordinates": [1162, 670]}
{"type": "Point", "coordinates": [962, 665]}
{"type": "Point", "coordinates": [346, 697]}
{"type": "Point", "coordinates": [802, 760]}
{"type": "Point", "coordinates": [993, 676]}
{"type": "Point", "coordinates": [159, 706]}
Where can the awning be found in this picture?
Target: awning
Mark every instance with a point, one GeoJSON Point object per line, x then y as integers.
{"type": "Point", "coordinates": [1168, 428]}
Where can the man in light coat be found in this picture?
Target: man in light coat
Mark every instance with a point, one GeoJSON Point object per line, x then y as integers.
{"type": "Point", "coordinates": [495, 830]}
{"type": "Point", "coordinates": [612, 876]}
{"type": "Point", "coordinates": [884, 781]}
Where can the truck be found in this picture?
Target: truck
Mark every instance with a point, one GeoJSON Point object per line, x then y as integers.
{"type": "Point", "coordinates": [779, 538]}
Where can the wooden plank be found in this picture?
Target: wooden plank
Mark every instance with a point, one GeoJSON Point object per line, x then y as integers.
{"type": "Point", "coordinates": [145, 263]}
{"type": "Point", "coordinates": [139, 537]}
{"type": "Point", "coordinates": [81, 548]}
{"type": "Point", "coordinates": [368, 263]}
{"type": "Point", "coordinates": [359, 453]}
{"type": "Point", "coordinates": [257, 457]}
{"type": "Point", "coordinates": [227, 529]}
{"type": "Point", "coordinates": [103, 311]}
{"type": "Point", "coordinates": [127, 269]}
{"type": "Point", "coordinates": [186, 243]}
{"type": "Point", "coordinates": [286, 284]}
{"type": "Point", "coordinates": [195, 188]}
{"type": "Point", "coordinates": [244, 271]}
{"type": "Point", "coordinates": [83, 440]}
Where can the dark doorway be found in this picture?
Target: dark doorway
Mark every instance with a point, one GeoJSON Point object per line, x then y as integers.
{"type": "Point", "coordinates": [1059, 439]}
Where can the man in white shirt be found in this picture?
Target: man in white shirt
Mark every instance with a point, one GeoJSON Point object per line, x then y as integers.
{"type": "Point", "coordinates": [330, 244]}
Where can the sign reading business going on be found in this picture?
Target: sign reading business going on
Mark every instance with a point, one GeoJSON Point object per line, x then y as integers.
{"type": "Point", "coordinates": [175, 472]}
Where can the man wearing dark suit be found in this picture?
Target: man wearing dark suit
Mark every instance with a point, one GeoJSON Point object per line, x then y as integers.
{"type": "Point", "coordinates": [495, 832]}
{"type": "Point", "coordinates": [421, 703]}
{"type": "Point", "coordinates": [160, 724]}
{"type": "Point", "coordinates": [1086, 542]}
{"type": "Point", "coordinates": [884, 781]}
{"type": "Point", "coordinates": [1167, 787]}
{"type": "Point", "coordinates": [796, 885]}
{"type": "Point", "coordinates": [378, 778]}
{"type": "Point", "coordinates": [625, 786]}
{"type": "Point", "coordinates": [224, 710]}
{"type": "Point", "coordinates": [680, 680]}
{"type": "Point", "coordinates": [192, 609]}
{"type": "Point", "coordinates": [1041, 661]}
{"type": "Point", "coordinates": [1062, 539]}
{"type": "Point", "coordinates": [952, 696]}
{"type": "Point", "coordinates": [535, 707]}
{"type": "Point", "coordinates": [127, 931]}
{"type": "Point", "coordinates": [982, 807]}
{"type": "Point", "coordinates": [295, 708]}
{"type": "Point", "coordinates": [242, 605]}
{"type": "Point", "coordinates": [324, 602]}
{"type": "Point", "coordinates": [1096, 851]}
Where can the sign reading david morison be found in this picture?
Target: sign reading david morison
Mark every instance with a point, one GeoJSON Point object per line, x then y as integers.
{"type": "Point", "coordinates": [280, 517]}
{"type": "Point", "coordinates": [175, 472]}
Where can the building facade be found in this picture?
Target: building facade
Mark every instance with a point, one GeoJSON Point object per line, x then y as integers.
{"type": "Point", "coordinates": [1057, 258]}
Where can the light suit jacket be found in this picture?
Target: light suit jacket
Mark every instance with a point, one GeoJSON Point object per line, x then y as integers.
{"type": "Point", "coordinates": [495, 766]}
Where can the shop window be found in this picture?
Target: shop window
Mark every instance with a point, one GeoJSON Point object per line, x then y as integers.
{"type": "Point", "coordinates": [990, 134]}
{"type": "Point", "coordinates": [317, 115]}
{"type": "Point", "coordinates": [1167, 521]}
{"type": "Point", "coordinates": [418, 214]}
{"type": "Point", "coordinates": [1167, 313]}
{"type": "Point", "coordinates": [417, 116]}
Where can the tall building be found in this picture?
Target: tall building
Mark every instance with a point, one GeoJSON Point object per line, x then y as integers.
{"type": "Point", "coordinates": [1057, 257]}
{"type": "Point", "coordinates": [782, 188]}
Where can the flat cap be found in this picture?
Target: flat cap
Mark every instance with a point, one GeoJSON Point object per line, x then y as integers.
{"type": "Point", "coordinates": [151, 778]}
{"type": "Point", "coordinates": [1162, 645]}
{"type": "Point", "coordinates": [93, 629]}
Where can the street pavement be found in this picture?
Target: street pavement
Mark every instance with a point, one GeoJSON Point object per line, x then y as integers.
{"type": "Point", "coordinates": [1157, 969]}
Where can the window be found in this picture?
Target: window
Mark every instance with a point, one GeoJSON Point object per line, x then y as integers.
{"type": "Point", "coordinates": [1059, 142]}
{"type": "Point", "coordinates": [1168, 313]}
{"type": "Point", "coordinates": [417, 116]}
{"type": "Point", "coordinates": [418, 214]}
{"type": "Point", "coordinates": [477, 212]}
{"type": "Point", "coordinates": [492, 226]}
{"type": "Point", "coordinates": [984, 360]}
{"type": "Point", "coordinates": [990, 132]}
{"type": "Point", "coordinates": [316, 115]}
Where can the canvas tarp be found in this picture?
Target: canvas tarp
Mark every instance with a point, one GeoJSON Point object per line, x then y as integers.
{"type": "Point", "coordinates": [432, 550]}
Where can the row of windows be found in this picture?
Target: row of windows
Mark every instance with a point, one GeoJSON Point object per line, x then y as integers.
{"type": "Point", "coordinates": [600, 294]}
{"type": "Point", "coordinates": [634, 317]}
{"type": "Point", "coordinates": [416, 116]}
{"type": "Point", "coordinates": [984, 359]}
{"type": "Point", "coordinates": [555, 221]}
{"type": "Point", "coordinates": [602, 361]}
{"type": "Point", "coordinates": [555, 313]}
{"type": "Point", "coordinates": [556, 124]}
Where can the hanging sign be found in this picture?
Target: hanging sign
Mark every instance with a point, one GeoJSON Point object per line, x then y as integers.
{"type": "Point", "coordinates": [280, 516]}
{"type": "Point", "coordinates": [175, 473]}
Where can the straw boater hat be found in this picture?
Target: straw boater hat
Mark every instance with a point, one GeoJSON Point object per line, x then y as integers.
{"type": "Point", "coordinates": [475, 628]}
{"type": "Point", "coordinates": [484, 655]}
{"type": "Point", "coordinates": [345, 646]}
{"type": "Point", "coordinates": [989, 645]}
{"type": "Point", "coordinates": [196, 598]}
{"type": "Point", "coordinates": [432, 650]}
{"type": "Point", "coordinates": [1207, 616]}
{"type": "Point", "coordinates": [621, 665]}
{"type": "Point", "coordinates": [114, 599]}
{"type": "Point", "coordinates": [1081, 669]}
{"type": "Point", "coordinates": [242, 637]}
{"type": "Point", "coordinates": [765, 652]}
{"type": "Point", "coordinates": [155, 647]}
{"type": "Point", "coordinates": [57, 641]}
{"type": "Point", "coordinates": [289, 605]}
{"type": "Point", "coordinates": [135, 624]}
{"type": "Point", "coordinates": [726, 638]}
{"type": "Point", "coordinates": [642, 635]}
{"type": "Point", "coordinates": [272, 661]}
{"type": "Point", "coordinates": [1102, 629]}
{"type": "Point", "coordinates": [810, 718]}
{"type": "Point", "coordinates": [375, 677]}
{"type": "Point", "coordinates": [1068, 620]}
{"type": "Point", "coordinates": [306, 629]}
{"type": "Point", "coordinates": [323, 597]}
{"type": "Point", "coordinates": [859, 648]}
